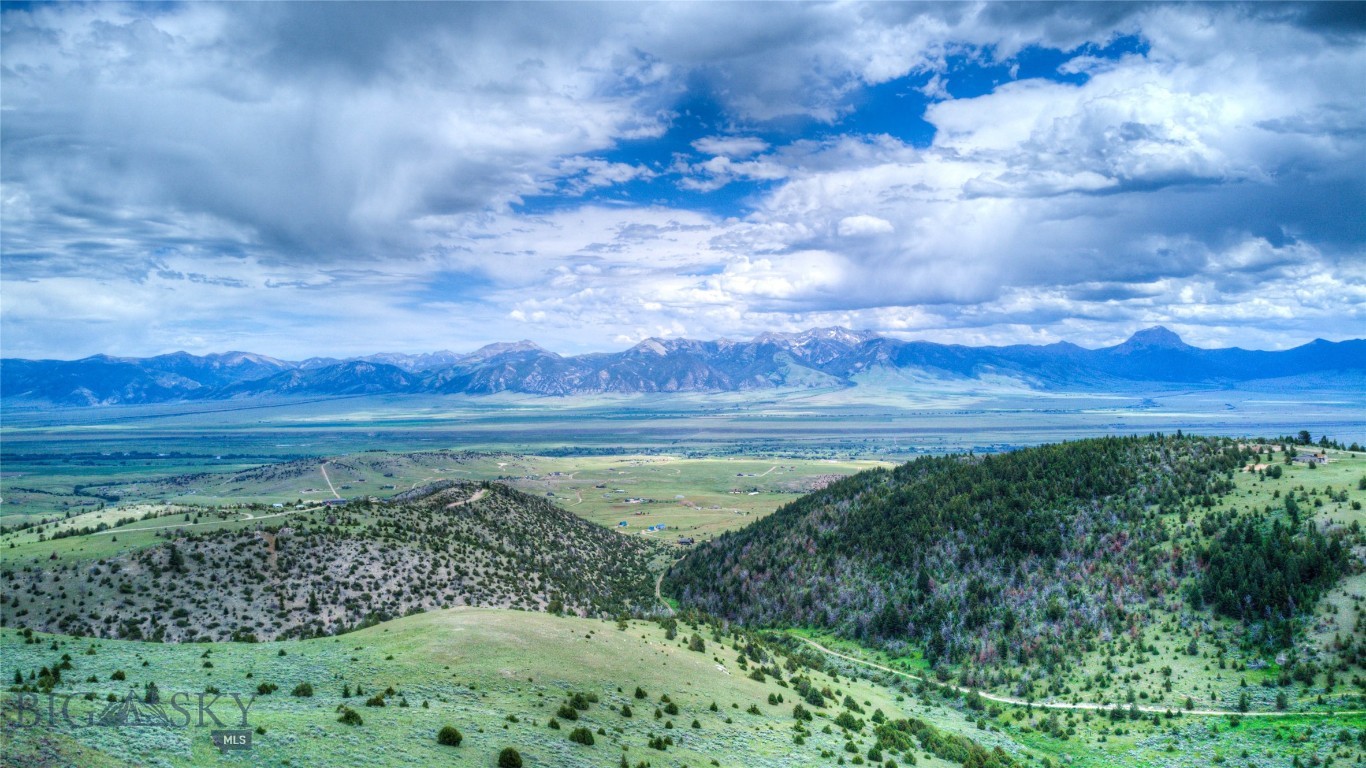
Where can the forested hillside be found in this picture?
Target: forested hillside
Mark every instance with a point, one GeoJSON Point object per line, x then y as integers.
{"type": "Point", "coordinates": [327, 570]}
{"type": "Point", "coordinates": [1019, 558]}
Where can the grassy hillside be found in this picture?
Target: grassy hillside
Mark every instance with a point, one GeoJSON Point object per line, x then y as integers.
{"type": "Point", "coordinates": [497, 676]}
{"type": "Point", "coordinates": [500, 677]}
{"type": "Point", "coordinates": [1071, 572]}
{"type": "Point", "coordinates": [323, 570]}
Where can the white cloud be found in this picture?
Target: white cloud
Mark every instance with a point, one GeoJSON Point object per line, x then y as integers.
{"type": "Point", "coordinates": [730, 146]}
{"type": "Point", "coordinates": [710, 175]}
{"type": "Point", "coordinates": [1153, 168]}
{"type": "Point", "coordinates": [863, 225]}
{"type": "Point", "coordinates": [202, 161]}
{"type": "Point", "coordinates": [581, 174]}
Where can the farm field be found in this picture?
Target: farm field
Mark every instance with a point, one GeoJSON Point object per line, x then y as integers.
{"type": "Point", "coordinates": [691, 497]}
{"type": "Point", "coordinates": [51, 458]}
{"type": "Point", "coordinates": [696, 497]}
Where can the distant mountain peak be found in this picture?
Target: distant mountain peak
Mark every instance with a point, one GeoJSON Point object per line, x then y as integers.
{"type": "Point", "coordinates": [839, 333]}
{"type": "Point", "coordinates": [835, 333]}
{"type": "Point", "coordinates": [238, 358]}
{"type": "Point", "coordinates": [502, 348]}
{"type": "Point", "coordinates": [654, 346]}
{"type": "Point", "coordinates": [1156, 337]}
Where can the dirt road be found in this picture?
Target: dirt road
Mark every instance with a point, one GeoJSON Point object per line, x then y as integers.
{"type": "Point", "coordinates": [323, 467]}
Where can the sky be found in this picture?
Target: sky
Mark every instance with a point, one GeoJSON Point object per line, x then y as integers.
{"type": "Point", "coordinates": [301, 179]}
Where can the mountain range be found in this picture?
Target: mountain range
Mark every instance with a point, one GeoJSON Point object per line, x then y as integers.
{"type": "Point", "coordinates": [819, 357]}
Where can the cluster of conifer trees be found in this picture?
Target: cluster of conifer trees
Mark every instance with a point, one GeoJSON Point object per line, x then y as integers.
{"type": "Point", "coordinates": [1260, 572]}
{"type": "Point", "coordinates": [1020, 557]}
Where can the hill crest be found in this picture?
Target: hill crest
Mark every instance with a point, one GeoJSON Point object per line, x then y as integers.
{"type": "Point", "coordinates": [324, 570]}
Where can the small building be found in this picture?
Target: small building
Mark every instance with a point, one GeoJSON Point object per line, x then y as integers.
{"type": "Point", "coordinates": [686, 541]}
{"type": "Point", "coordinates": [1312, 458]}
{"type": "Point", "coordinates": [622, 524]}
{"type": "Point", "coordinates": [334, 502]}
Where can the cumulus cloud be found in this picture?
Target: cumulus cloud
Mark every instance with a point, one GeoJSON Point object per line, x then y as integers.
{"type": "Point", "coordinates": [368, 172]}
{"type": "Point", "coordinates": [1155, 168]}
{"type": "Point", "coordinates": [579, 174]}
{"type": "Point", "coordinates": [730, 146]}
{"type": "Point", "coordinates": [863, 225]}
{"type": "Point", "coordinates": [716, 172]}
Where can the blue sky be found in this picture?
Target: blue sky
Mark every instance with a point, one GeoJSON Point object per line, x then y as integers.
{"type": "Point", "coordinates": [329, 179]}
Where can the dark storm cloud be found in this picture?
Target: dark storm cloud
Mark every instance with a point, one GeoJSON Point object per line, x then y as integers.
{"type": "Point", "coordinates": [1343, 22]}
{"type": "Point", "coordinates": [320, 132]}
